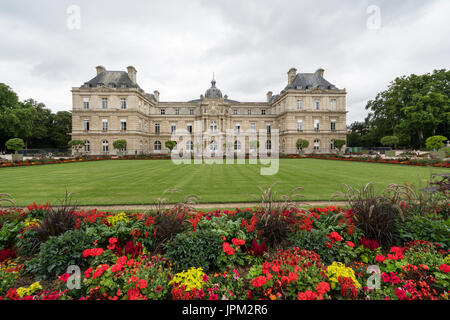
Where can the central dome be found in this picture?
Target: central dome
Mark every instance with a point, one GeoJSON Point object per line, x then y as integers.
{"type": "Point", "coordinates": [213, 92]}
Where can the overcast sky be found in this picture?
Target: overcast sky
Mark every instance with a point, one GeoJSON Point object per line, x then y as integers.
{"type": "Point", "coordinates": [249, 45]}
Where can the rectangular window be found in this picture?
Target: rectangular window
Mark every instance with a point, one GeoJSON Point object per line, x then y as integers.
{"type": "Point", "coordinates": [299, 104]}
{"type": "Point", "coordinates": [105, 125]}
{"type": "Point", "coordinates": [87, 146]}
{"type": "Point", "coordinates": [235, 112]}
{"type": "Point", "coordinates": [316, 104]}
{"type": "Point", "coordinates": [104, 103]}
{"type": "Point", "coordinates": [263, 112]}
{"type": "Point", "coordinates": [123, 103]}
{"type": "Point", "coordinates": [316, 125]}
{"type": "Point", "coordinates": [163, 111]}
{"type": "Point", "coordinates": [300, 125]}
{"type": "Point", "coordinates": [86, 125]}
{"type": "Point", "coordinates": [333, 125]}
{"type": "Point", "coordinates": [237, 128]}
{"type": "Point", "coordinates": [191, 112]}
{"type": "Point", "coordinates": [157, 128]}
{"type": "Point", "coordinates": [253, 127]}
{"type": "Point", "coordinates": [268, 129]}
{"type": "Point", "coordinates": [333, 104]}
{"type": "Point", "coordinates": [189, 128]}
{"type": "Point", "coordinates": [249, 112]}
{"type": "Point", "coordinates": [86, 103]}
{"type": "Point", "coordinates": [177, 112]}
{"type": "Point", "coordinates": [173, 128]}
{"type": "Point", "coordinates": [123, 125]}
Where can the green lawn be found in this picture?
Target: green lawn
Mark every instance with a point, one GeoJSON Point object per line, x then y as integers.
{"type": "Point", "coordinates": [141, 181]}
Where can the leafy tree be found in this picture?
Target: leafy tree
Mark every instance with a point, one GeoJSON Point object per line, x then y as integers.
{"type": "Point", "coordinates": [60, 128]}
{"type": "Point", "coordinates": [435, 142]}
{"type": "Point", "coordinates": [390, 141]}
{"type": "Point", "coordinates": [120, 144]}
{"type": "Point", "coordinates": [302, 144]}
{"type": "Point", "coordinates": [76, 145]}
{"type": "Point", "coordinates": [15, 144]}
{"type": "Point", "coordinates": [339, 144]}
{"type": "Point", "coordinates": [412, 108]}
{"type": "Point", "coordinates": [170, 145]}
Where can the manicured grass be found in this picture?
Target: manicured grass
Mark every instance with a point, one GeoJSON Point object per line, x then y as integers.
{"type": "Point", "coordinates": [141, 181]}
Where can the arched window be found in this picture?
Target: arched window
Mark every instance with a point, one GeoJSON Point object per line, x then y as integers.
{"type": "Point", "coordinates": [316, 144]}
{"type": "Point", "coordinates": [237, 145]}
{"type": "Point", "coordinates": [268, 145]}
{"type": "Point", "coordinates": [189, 146]}
{"type": "Point", "coordinates": [105, 146]}
{"type": "Point", "coordinates": [157, 146]}
{"type": "Point", "coordinates": [213, 126]}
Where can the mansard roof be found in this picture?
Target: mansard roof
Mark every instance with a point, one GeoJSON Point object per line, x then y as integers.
{"type": "Point", "coordinates": [115, 79]}
{"type": "Point", "coordinates": [305, 81]}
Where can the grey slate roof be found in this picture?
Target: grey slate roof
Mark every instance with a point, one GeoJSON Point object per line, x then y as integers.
{"type": "Point", "coordinates": [115, 79]}
{"type": "Point", "coordinates": [304, 81]}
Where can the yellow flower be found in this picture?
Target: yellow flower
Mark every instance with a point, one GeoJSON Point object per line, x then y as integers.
{"type": "Point", "coordinates": [113, 220]}
{"type": "Point", "coordinates": [338, 269]}
{"type": "Point", "coordinates": [191, 279]}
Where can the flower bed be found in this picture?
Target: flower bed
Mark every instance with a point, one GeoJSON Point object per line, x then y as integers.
{"type": "Point", "coordinates": [193, 255]}
{"type": "Point", "coordinates": [35, 162]}
{"type": "Point", "coordinates": [421, 162]}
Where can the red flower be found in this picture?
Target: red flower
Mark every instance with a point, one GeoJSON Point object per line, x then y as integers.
{"type": "Point", "coordinates": [64, 277]}
{"type": "Point", "coordinates": [95, 252]}
{"type": "Point", "coordinates": [323, 288]}
{"type": "Point", "coordinates": [259, 281]}
{"type": "Point", "coordinates": [292, 276]}
{"type": "Point", "coordinates": [227, 249]}
{"type": "Point", "coordinates": [238, 242]}
{"type": "Point", "coordinates": [11, 294]}
{"type": "Point", "coordinates": [117, 267]}
{"type": "Point", "coordinates": [142, 284]}
{"type": "Point", "coordinates": [88, 272]}
{"type": "Point", "coordinates": [444, 268]}
{"type": "Point", "coordinates": [380, 258]}
{"type": "Point", "coordinates": [334, 236]}
{"type": "Point", "coordinates": [307, 295]}
{"type": "Point", "coordinates": [350, 244]}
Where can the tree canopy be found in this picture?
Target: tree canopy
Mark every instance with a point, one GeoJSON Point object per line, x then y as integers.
{"type": "Point", "coordinates": [32, 121]}
{"type": "Point", "coordinates": [412, 108]}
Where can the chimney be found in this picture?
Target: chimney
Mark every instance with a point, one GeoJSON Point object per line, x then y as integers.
{"type": "Point", "coordinates": [100, 69]}
{"type": "Point", "coordinates": [269, 96]}
{"type": "Point", "coordinates": [320, 72]}
{"type": "Point", "coordinates": [291, 75]}
{"type": "Point", "coordinates": [132, 73]}
{"type": "Point", "coordinates": [156, 93]}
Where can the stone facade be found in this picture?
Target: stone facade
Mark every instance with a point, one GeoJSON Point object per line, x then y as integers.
{"type": "Point", "coordinates": [112, 106]}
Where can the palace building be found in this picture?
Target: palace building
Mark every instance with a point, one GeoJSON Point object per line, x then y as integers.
{"type": "Point", "coordinates": [112, 106]}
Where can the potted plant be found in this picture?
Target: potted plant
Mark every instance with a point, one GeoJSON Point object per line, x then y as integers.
{"type": "Point", "coordinates": [15, 144]}
{"type": "Point", "coordinates": [170, 144]}
{"type": "Point", "coordinates": [301, 144]}
{"type": "Point", "coordinates": [339, 144]}
{"type": "Point", "coordinates": [76, 145]}
{"type": "Point", "coordinates": [120, 146]}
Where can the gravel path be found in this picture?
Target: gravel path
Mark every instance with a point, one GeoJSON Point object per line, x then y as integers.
{"type": "Point", "coordinates": [210, 205]}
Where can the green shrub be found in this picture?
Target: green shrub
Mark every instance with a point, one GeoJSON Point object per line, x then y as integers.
{"type": "Point", "coordinates": [428, 227]}
{"type": "Point", "coordinates": [60, 252]}
{"type": "Point", "coordinates": [198, 249]}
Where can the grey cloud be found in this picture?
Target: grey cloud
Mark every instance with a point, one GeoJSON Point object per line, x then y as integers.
{"type": "Point", "coordinates": [250, 45]}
